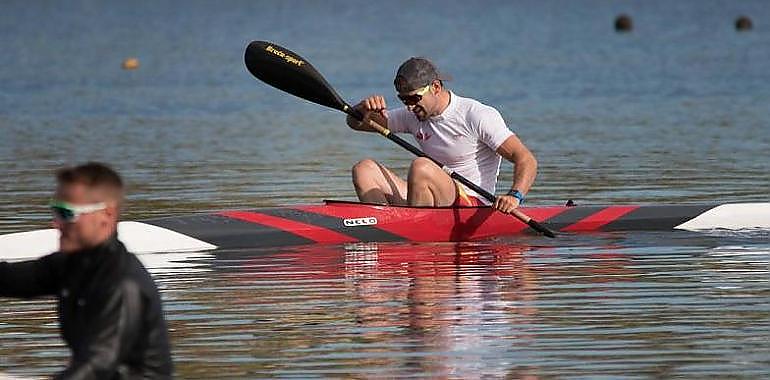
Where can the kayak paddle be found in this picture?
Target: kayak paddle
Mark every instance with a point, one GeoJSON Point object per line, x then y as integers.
{"type": "Point", "coordinates": [287, 71]}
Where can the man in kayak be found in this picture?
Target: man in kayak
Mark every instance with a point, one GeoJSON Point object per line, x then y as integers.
{"type": "Point", "coordinates": [110, 311]}
{"type": "Point", "coordinates": [468, 137]}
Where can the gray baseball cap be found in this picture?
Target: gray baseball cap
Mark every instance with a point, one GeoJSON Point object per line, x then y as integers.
{"type": "Point", "coordinates": [417, 72]}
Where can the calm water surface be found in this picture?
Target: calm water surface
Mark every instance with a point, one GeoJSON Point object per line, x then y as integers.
{"type": "Point", "coordinates": [674, 112]}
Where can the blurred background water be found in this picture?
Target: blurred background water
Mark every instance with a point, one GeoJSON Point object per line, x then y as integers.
{"type": "Point", "coordinates": [675, 111]}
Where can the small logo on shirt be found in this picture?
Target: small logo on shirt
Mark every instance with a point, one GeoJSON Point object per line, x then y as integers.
{"type": "Point", "coordinates": [422, 136]}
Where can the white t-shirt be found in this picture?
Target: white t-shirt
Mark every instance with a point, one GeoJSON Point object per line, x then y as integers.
{"type": "Point", "coordinates": [464, 138]}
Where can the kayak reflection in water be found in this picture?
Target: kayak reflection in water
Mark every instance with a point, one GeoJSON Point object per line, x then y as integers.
{"type": "Point", "coordinates": [109, 308]}
{"type": "Point", "coordinates": [468, 137]}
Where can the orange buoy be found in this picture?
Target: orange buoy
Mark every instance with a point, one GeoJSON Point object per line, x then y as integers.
{"type": "Point", "coordinates": [130, 64]}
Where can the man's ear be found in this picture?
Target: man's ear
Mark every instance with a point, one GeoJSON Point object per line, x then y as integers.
{"type": "Point", "coordinates": [112, 210]}
{"type": "Point", "coordinates": [436, 86]}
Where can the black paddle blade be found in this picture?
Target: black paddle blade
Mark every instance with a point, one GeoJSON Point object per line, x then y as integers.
{"type": "Point", "coordinates": [287, 71]}
{"type": "Point", "coordinates": [541, 228]}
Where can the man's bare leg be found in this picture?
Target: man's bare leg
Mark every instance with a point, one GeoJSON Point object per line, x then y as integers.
{"type": "Point", "coordinates": [429, 185]}
{"type": "Point", "coordinates": [375, 183]}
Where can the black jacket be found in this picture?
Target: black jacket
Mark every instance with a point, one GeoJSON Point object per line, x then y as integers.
{"type": "Point", "coordinates": [109, 310]}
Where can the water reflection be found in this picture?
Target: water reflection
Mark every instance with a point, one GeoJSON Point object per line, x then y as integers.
{"type": "Point", "coordinates": [453, 310]}
{"type": "Point", "coordinates": [408, 308]}
{"type": "Point", "coordinates": [598, 304]}
{"type": "Point", "coordinates": [446, 304]}
{"type": "Point", "coordinates": [437, 309]}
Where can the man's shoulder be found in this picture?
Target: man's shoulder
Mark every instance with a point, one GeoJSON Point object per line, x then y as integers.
{"type": "Point", "coordinates": [129, 274]}
{"type": "Point", "coordinates": [474, 111]}
{"type": "Point", "coordinates": [471, 106]}
{"type": "Point", "coordinates": [136, 284]}
{"type": "Point", "coordinates": [136, 271]}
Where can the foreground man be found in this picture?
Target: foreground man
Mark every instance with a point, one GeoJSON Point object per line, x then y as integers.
{"type": "Point", "coordinates": [109, 308]}
{"type": "Point", "coordinates": [467, 136]}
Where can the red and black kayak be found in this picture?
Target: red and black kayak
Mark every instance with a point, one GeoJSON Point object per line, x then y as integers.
{"type": "Point", "coordinates": [336, 222]}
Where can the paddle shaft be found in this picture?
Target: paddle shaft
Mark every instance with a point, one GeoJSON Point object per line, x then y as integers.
{"type": "Point", "coordinates": [458, 177]}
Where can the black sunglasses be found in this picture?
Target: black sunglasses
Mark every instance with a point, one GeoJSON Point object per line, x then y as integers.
{"type": "Point", "coordinates": [413, 99]}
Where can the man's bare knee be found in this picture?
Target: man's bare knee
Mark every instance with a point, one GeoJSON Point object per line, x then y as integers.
{"type": "Point", "coordinates": [422, 169]}
{"type": "Point", "coordinates": [366, 166]}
